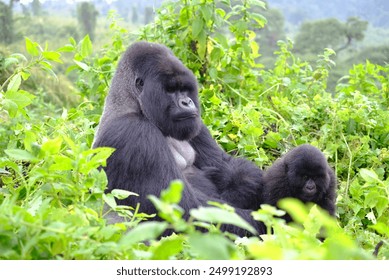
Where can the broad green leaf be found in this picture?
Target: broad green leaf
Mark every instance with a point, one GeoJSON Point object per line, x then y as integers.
{"type": "Point", "coordinates": [61, 163]}
{"type": "Point", "coordinates": [368, 175]}
{"type": "Point", "coordinates": [210, 246]}
{"type": "Point", "coordinates": [52, 56]}
{"type": "Point", "coordinates": [10, 106]}
{"type": "Point", "coordinates": [82, 65]}
{"type": "Point", "coordinates": [19, 154]}
{"type": "Point", "coordinates": [260, 20]}
{"type": "Point", "coordinates": [381, 228]}
{"type": "Point", "coordinates": [32, 47]}
{"type": "Point", "coordinates": [21, 98]}
{"type": "Point", "coordinates": [14, 83]}
{"type": "Point", "coordinates": [10, 61]}
{"type": "Point", "coordinates": [220, 216]}
{"type": "Point", "coordinates": [47, 67]}
{"type": "Point", "coordinates": [295, 208]}
{"type": "Point", "coordinates": [122, 194]}
{"type": "Point", "coordinates": [143, 232]}
{"type": "Point", "coordinates": [52, 146]}
{"type": "Point", "coordinates": [207, 11]}
{"type": "Point", "coordinates": [66, 48]}
{"type": "Point", "coordinates": [173, 193]}
{"type": "Point", "coordinates": [110, 200]}
{"type": "Point", "coordinates": [25, 74]}
{"type": "Point", "coordinates": [86, 47]}
{"type": "Point", "coordinates": [34, 205]}
{"type": "Point", "coordinates": [197, 27]}
{"type": "Point", "coordinates": [168, 247]}
{"type": "Point", "coordinates": [258, 3]}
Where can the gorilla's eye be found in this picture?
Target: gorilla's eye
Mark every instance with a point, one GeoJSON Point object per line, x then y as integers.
{"type": "Point", "coordinates": [305, 177]}
{"type": "Point", "coordinates": [139, 84]}
{"type": "Point", "coordinates": [171, 88]}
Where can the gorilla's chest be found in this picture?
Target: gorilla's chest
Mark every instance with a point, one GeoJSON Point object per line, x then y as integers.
{"type": "Point", "coordinates": [182, 151]}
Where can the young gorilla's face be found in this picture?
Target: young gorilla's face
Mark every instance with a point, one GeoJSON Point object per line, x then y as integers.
{"type": "Point", "coordinates": [308, 175]}
{"type": "Point", "coordinates": [310, 184]}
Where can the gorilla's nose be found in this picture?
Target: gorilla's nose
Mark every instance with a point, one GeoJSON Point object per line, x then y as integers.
{"type": "Point", "coordinates": [186, 102]}
{"type": "Point", "coordinates": [310, 186]}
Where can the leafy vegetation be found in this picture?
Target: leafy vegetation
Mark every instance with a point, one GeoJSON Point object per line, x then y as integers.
{"type": "Point", "coordinates": [52, 200]}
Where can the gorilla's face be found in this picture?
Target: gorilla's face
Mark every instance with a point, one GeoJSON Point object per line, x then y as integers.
{"type": "Point", "coordinates": [308, 177]}
{"type": "Point", "coordinates": [168, 97]}
{"type": "Point", "coordinates": [309, 186]}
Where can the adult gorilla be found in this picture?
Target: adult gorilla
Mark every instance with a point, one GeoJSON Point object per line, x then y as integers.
{"type": "Point", "coordinates": [151, 117]}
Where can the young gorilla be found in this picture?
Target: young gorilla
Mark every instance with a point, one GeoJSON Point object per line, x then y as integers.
{"type": "Point", "coordinates": [302, 173]}
{"type": "Point", "coordinates": [151, 117]}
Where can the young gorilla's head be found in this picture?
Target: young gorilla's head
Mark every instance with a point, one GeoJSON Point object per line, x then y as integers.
{"type": "Point", "coordinates": [308, 173]}
{"type": "Point", "coordinates": [166, 90]}
{"type": "Point", "coordinates": [302, 173]}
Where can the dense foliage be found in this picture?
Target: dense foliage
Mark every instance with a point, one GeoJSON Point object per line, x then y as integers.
{"type": "Point", "coordinates": [52, 192]}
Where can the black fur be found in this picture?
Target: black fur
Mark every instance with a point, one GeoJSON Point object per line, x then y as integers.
{"type": "Point", "coordinates": [153, 99]}
{"type": "Point", "coordinates": [302, 173]}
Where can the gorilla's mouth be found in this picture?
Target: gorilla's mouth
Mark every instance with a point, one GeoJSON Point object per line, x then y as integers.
{"type": "Point", "coordinates": [183, 117]}
{"type": "Point", "coordinates": [309, 196]}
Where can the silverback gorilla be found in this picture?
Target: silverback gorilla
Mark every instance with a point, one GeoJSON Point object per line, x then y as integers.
{"type": "Point", "coordinates": [152, 119]}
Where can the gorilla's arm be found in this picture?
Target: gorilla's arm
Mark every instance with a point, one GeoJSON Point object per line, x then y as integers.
{"type": "Point", "coordinates": [142, 163]}
{"type": "Point", "coordinates": [238, 180]}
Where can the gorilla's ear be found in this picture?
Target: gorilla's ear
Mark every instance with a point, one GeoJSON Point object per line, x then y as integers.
{"type": "Point", "coordinates": [139, 84]}
{"type": "Point", "coordinates": [286, 166]}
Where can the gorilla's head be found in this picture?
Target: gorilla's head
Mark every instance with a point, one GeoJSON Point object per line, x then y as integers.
{"type": "Point", "coordinates": [308, 173]}
{"type": "Point", "coordinates": [152, 82]}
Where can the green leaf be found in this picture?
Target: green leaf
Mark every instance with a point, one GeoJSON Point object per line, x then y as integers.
{"type": "Point", "coordinates": [173, 194]}
{"type": "Point", "coordinates": [220, 216]}
{"type": "Point", "coordinates": [259, 19]}
{"type": "Point", "coordinates": [21, 98]}
{"type": "Point", "coordinates": [86, 47]}
{"type": "Point", "coordinates": [295, 208]}
{"type": "Point", "coordinates": [52, 146]}
{"type": "Point", "coordinates": [10, 61]}
{"type": "Point", "coordinates": [25, 74]}
{"type": "Point", "coordinates": [46, 66]}
{"type": "Point", "coordinates": [19, 154]}
{"type": "Point", "coordinates": [14, 83]}
{"type": "Point", "coordinates": [142, 232]}
{"type": "Point", "coordinates": [381, 228]}
{"type": "Point", "coordinates": [52, 56]}
{"type": "Point", "coordinates": [61, 163]}
{"type": "Point", "coordinates": [207, 11]}
{"type": "Point", "coordinates": [32, 47]}
{"type": "Point", "coordinates": [183, 16]}
{"type": "Point", "coordinates": [82, 65]}
{"type": "Point", "coordinates": [168, 247]}
{"type": "Point", "coordinates": [110, 200]}
{"type": "Point", "coordinates": [368, 175]}
{"type": "Point", "coordinates": [66, 48]}
{"type": "Point", "coordinates": [122, 194]}
{"type": "Point", "coordinates": [272, 139]}
{"type": "Point", "coordinates": [258, 3]}
{"type": "Point", "coordinates": [210, 246]}
{"type": "Point", "coordinates": [10, 106]}
{"type": "Point", "coordinates": [197, 27]}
